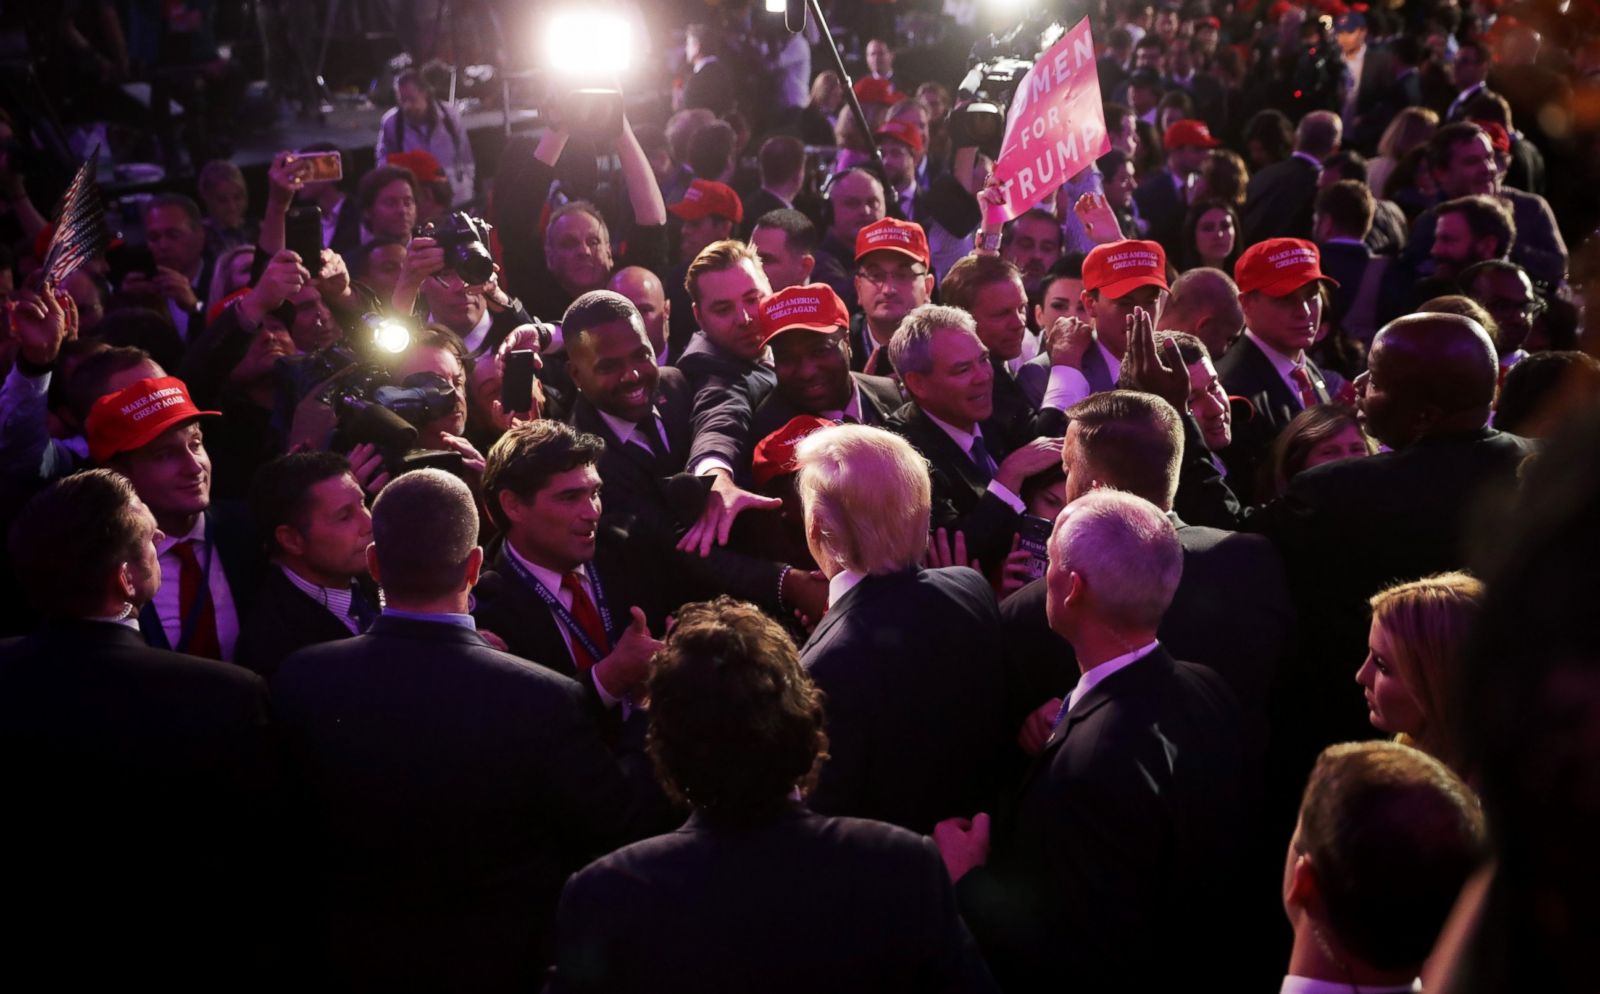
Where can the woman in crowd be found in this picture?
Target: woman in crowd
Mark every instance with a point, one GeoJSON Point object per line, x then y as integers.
{"type": "Point", "coordinates": [1210, 237]}
{"type": "Point", "coordinates": [1321, 434]}
{"type": "Point", "coordinates": [1419, 640]}
{"type": "Point", "coordinates": [817, 117]}
{"type": "Point", "coordinates": [1411, 128]}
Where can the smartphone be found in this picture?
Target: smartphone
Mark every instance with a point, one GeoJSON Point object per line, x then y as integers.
{"type": "Point", "coordinates": [302, 234]}
{"type": "Point", "coordinates": [320, 167]}
{"type": "Point", "coordinates": [516, 381]}
{"type": "Point", "coordinates": [1033, 535]}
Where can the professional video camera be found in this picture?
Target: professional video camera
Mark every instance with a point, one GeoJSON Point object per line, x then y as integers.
{"type": "Point", "coordinates": [465, 240]}
{"type": "Point", "coordinates": [369, 407]}
{"type": "Point", "coordinates": [997, 65]}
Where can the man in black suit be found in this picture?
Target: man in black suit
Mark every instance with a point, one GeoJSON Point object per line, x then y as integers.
{"type": "Point", "coordinates": [711, 83]}
{"type": "Point", "coordinates": [1163, 197]}
{"type": "Point", "coordinates": [1281, 294]}
{"type": "Point", "coordinates": [1344, 214]}
{"type": "Point", "coordinates": [1349, 529]}
{"type": "Point", "coordinates": [786, 242]}
{"type": "Point", "coordinates": [977, 462]}
{"type": "Point", "coordinates": [893, 274]}
{"type": "Point", "coordinates": [316, 588]}
{"type": "Point", "coordinates": [130, 771]}
{"type": "Point", "coordinates": [1231, 610]}
{"type": "Point", "coordinates": [782, 164]}
{"type": "Point", "coordinates": [625, 399]}
{"type": "Point", "coordinates": [755, 886]}
{"type": "Point", "coordinates": [807, 328]}
{"type": "Point", "coordinates": [855, 200]}
{"type": "Point", "coordinates": [449, 787]}
{"type": "Point", "coordinates": [916, 721]}
{"type": "Point", "coordinates": [1279, 199]}
{"type": "Point", "coordinates": [149, 431]}
{"type": "Point", "coordinates": [564, 592]}
{"type": "Point", "coordinates": [181, 280]}
{"type": "Point", "coordinates": [1386, 839]}
{"type": "Point", "coordinates": [1117, 866]}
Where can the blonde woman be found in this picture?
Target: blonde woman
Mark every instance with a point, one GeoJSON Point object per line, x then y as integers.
{"type": "Point", "coordinates": [1420, 634]}
{"type": "Point", "coordinates": [1411, 128]}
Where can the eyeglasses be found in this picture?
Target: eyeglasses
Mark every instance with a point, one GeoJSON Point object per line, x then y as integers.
{"type": "Point", "coordinates": [878, 277]}
{"type": "Point", "coordinates": [1506, 305]}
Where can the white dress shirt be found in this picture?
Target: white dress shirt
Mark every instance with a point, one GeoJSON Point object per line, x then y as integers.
{"type": "Point", "coordinates": [473, 339]}
{"type": "Point", "coordinates": [1067, 385]}
{"type": "Point", "coordinates": [1284, 364]}
{"type": "Point", "coordinates": [625, 430]}
{"type": "Point", "coordinates": [552, 582]}
{"type": "Point", "coordinates": [842, 583]}
{"type": "Point", "coordinates": [851, 409]}
{"type": "Point", "coordinates": [1092, 679]}
{"type": "Point", "coordinates": [337, 601]}
{"type": "Point", "coordinates": [963, 440]}
{"type": "Point", "coordinates": [1309, 985]}
{"type": "Point", "coordinates": [168, 600]}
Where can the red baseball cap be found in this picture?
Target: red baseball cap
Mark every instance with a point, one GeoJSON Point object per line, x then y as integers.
{"type": "Point", "coordinates": [421, 163]}
{"type": "Point", "coordinates": [1117, 267]}
{"type": "Point", "coordinates": [1188, 133]}
{"type": "Point", "coordinates": [1279, 266]}
{"type": "Point", "coordinates": [812, 307]}
{"type": "Point", "coordinates": [892, 235]}
{"type": "Point", "coordinates": [774, 455]}
{"type": "Point", "coordinates": [706, 197]}
{"type": "Point", "coordinates": [1499, 138]}
{"type": "Point", "coordinates": [904, 132]}
{"type": "Point", "coordinates": [877, 91]}
{"type": "Point", "coordinates": [134, 416]}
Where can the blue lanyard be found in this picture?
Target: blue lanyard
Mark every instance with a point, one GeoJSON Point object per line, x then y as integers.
{"type": "Point", "coordinates": [558, 609]}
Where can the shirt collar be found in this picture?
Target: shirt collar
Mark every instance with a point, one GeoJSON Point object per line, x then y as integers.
{"type": "Point", "coordinates": [1113, 364]}
{"type": "Point", "coordinates": [963, 439]}
{"type": "Point", "coordinates": [1309, 158]}
{"type": "Point", "coordinates": [622, 428]}
{"type": "Point", "coordinates": [448, 618]}
{"type": "Point", "coordinates": [335, 599]}
{"type": "Point", "coordinates": [549, 577]}
{"type": "Point", "coordinates": [851, 409]}
{"type": "Point", "coordinates": [196, 533]}
{"type": "Point", "coordinates": [1093, 678]}
{"type": "Point", "coordinates": [474, 339]}
{"type": "Point", "coordinates": [1309, 985]}
{"type": "Point", "coordinates": [1282, 363]}
{"type": "Point", "coordinates": [842, 583]}
{"type": "Point", "coordinates": [1342, 240]}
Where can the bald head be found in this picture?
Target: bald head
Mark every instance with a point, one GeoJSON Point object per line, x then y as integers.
{"type": "Point", "coordinates": [642, 287]}
{"type": "Point", "coordinates": [1428, 374]}
{"type": "Point", "coordinates": [1205, 303]}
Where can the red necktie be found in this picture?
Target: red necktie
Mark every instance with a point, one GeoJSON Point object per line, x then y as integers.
{"type": "Point", "coordinates": [588, 619]}
{"type": "Point", "coordinates": [871, 368]}
{"type": "Point", "coordinates": [191, 583]}
{"type": "Point", "coordinates": [1302, 380]}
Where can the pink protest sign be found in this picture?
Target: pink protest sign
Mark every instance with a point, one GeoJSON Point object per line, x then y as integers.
{"type": "Point", "coordinates": [1057, 125]}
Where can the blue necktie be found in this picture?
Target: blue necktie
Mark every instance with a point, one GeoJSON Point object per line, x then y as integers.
{"type": "Point", "coordinates": [981, 459]}
{"type": "Point", "coordinates": [361, 609]}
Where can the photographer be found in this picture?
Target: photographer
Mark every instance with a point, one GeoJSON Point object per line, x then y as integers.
{"type": "Point", "coordinates": [576, 255]}
{"type": "Point", "coordinates": [449, 279]}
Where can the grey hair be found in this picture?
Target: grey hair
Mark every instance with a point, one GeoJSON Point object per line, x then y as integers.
{"type": "Point", "coordinates": [1127, 553]}
{"type": "Point", "coordinates": [911, 348]}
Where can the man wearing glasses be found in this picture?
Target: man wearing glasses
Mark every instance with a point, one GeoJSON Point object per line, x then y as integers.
{"type": "Point", "coordinates": [893, 276]}
{"type": "Point", "coordinates": [1506, 292]}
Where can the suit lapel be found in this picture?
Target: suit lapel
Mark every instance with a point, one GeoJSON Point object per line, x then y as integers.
{"type": "Point", "coordinates": [1094, 369]}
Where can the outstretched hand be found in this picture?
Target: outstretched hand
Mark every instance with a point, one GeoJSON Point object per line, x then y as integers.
{"type": "Point", "coordinates": [1161, 372]}
{"type": "Point", "coordinates": [726, 501]}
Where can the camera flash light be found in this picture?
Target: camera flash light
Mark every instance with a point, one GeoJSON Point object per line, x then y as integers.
{"type": "Point", "coordinates": [391, 336]}
{"type": "Point", "coordinates": [589, 43]}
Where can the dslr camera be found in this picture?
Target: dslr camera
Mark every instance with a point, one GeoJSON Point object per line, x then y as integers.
{"type": "Point", "coordinates": [996, 67]}
{"type": "Point", "coordinates": [465, 240]}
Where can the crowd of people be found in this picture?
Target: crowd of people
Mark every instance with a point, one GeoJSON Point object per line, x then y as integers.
{"type": "Point", "coordinates": [760, 568]}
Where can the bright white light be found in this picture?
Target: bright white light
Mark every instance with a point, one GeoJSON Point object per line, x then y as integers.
{"type": "Point", "coordinates": [589, 43]}
{"type": "Point", "coordinates": [1007, 6]}
{"type": "Point", "coordinates": [391, 336]}
{"type": "Point", "coordinates": [775, 6]}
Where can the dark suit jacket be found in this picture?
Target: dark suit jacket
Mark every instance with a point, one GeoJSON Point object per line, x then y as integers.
{"type": "Point", "coordinates": [727, 390]}
{"type": "Point", "coordinates": [1279, 200]}
{"type": "Point", "coordinates": [632, 574]}
{"type": "Point", "coordinates": [961, 500]}
{"type": "Point", "coordinates": [283, 620]}
{"type": "Point", "coordinates": [713, 87]}
{"type": "Point", "coordinates": [880, 398]}
{"type": "Point", "coordinates": [134, 774]}
{"type": "Point", "coordinates": [448, 790]}
{"type": "Point", "coordinates": [1162, 205]}
{"type": "Point", "coordinates": [239, 554]}
{"type": "Point", "coordinates": [661, 499]}
{"type": "Point", "coordinates": [1231, 613]}
{"type": "Point", "coordinates": [1347, 530]}
{"type": "Point", "coordinates": [799, 903]}
{"type": "Point", "coordinates": [1538, 248]}
{"type": "Point", "coordinates": [915, 712]}
{"type": "Point", "coordinates": [1246, 372]}
{"type": "Point", "coordinates": [1116, 866]}
{"type": "Point", "coordinates": [758, 203]}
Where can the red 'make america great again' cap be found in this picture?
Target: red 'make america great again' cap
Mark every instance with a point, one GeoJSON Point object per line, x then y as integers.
{"type": "Point", "coordinates": [1118, 267]}
{"type": "Point", "coordinates": [136, 415]}
{"type": "Point", "coordinates": [1279, 266]}
{"type": "Point", "coordinates": [812, 307]}
{"type": "Point", "coordinates": [893, 235]}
